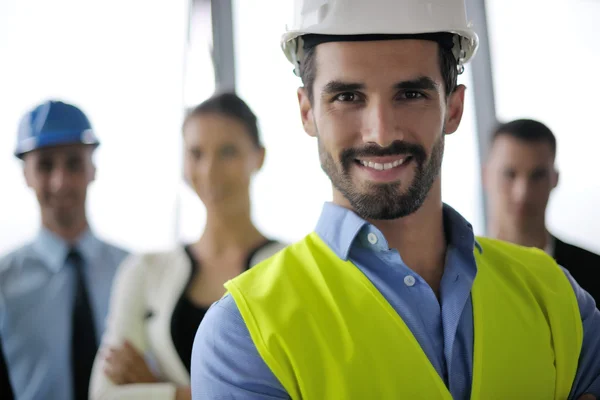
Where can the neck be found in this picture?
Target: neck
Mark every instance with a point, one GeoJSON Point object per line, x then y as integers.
{"type": "Point", "coordinates": [68, 233]}
{"type": "Point", "coordinates": [224, 233]}
{"type": "Point", "coordinates": [530, 235]}
{"type": "Point", "coordinates": [420, 238]}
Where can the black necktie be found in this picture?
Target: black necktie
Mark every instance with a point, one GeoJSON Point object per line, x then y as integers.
{"type": "Point", "coordinates": [84, 344]}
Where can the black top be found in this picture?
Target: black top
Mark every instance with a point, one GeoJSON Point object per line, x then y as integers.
{"type": "Point", "coordinates": [583, 265]}
{"type": "Point", "coordinates": [187, 316]}
{"type": "Point", "coordinates": [5, 387]}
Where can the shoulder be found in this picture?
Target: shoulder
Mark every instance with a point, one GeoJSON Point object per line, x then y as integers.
{"type": "Point", "coordinates": [223, 333]}
{"type": "Point", "coordinates": [115, 252]}
{"type": "Point", "coordinates": [16, 256]}
{"type": "Point", "coordinates": [283, 266]}
{"type": "Point", "coordinates": [16, 253]}
{"type": "Point", "coordinates": [532, 265]}
{"type": "Point", "coordinates": [267, 251]}
{"type": "Point", "coordinates": [570, 250]}
{"type": "Point", "coordinates": [157, 261]}
{"type": "Point", "coordinates": [519, 255]}
{"type": "Point", "coordinates": [583, 265]}
{"type": "Point", "coordinates": [500, 245]}
{"type": "Point", "coordinates": [222, 324]}
{"type": "Point", "coordinates": [225, 360]}
{"type": "Point", "coordinates": [21, 269]}
{"type": "Point", "coordinates": [225, 309]}
{"type": "Point", "coordinates": [276, 253]}
{"type": "Point", "coordinates": [151, 265]}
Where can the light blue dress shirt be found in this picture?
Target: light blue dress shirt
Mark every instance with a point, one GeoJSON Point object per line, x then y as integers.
{"type": "Point", "coordinates": [227, 365]}
{"type": "Point", "coordinates": [36, 302]}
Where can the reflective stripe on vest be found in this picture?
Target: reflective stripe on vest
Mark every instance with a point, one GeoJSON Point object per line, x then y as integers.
{"type": "Point", "coordinates": [327, 333]}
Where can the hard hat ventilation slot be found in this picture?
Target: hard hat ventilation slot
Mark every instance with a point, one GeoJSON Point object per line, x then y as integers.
{"type": "Point", "coordinates": [462, 55]}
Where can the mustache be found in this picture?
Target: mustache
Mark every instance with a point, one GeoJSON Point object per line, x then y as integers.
{"type": "Point", "coordinates": [397, 148]}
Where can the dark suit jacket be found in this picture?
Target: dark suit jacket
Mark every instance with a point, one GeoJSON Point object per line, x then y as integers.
{"type": "Point", "coordinates": [583, 265]}
{"type": "Point", "coordinates": [5, 387]}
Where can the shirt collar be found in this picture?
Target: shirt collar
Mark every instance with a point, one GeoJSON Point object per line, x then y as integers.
{"type": "Point", "coordinates": [338, 227]}
{"type": "Point", "coordinates": [341, 228]}
{"type": "Point", "coordinates": [53, 249]}
{"type": "Point", "coordinates": [459, 231]}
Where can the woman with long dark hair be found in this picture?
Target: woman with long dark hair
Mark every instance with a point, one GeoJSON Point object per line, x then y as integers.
{"type": "Point", "coordinates": [160, 299]}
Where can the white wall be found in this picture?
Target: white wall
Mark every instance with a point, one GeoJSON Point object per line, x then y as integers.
{"type": "Point", "coordinates": [199, 84]}
{"type": "Point", "coordinates": [545, 57]}
{"type": "Point", "coordinates": [122, 62]}
{"type": "Point", "coordinates": [290, 190]}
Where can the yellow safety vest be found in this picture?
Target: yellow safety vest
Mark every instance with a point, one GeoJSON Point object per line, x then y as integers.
{"type": "Point", "coordinates": [327, 333]}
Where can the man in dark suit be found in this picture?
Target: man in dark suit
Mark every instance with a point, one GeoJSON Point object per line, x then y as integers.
{"type": "Point", "coordinates": [518, 178]}
{"type": "Point", "coordinates": [583, 265]}
{"type": "Point", "coordinates": [5, 387]}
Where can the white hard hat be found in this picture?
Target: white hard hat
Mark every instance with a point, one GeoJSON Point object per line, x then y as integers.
{"type": "Point", "coordinates": [364, 17]}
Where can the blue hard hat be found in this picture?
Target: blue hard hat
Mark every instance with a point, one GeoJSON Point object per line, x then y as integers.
{"type": "Point", "coordinates": [51, 124]}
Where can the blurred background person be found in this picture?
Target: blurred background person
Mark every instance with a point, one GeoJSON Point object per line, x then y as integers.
{"type": "Point", "coordinates": [519, 176]}
{"type": "Point", "coordinates": [159, 299]}
{"type": "Point", "coordinates": [54, 291]}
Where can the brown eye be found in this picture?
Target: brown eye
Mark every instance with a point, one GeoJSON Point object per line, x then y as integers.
{"type": "Point", "coordinates": [539, 174]}
{"type": "Point", "coordinates": [74, 164]}
{"type": "Point", "coordinates": [229, 151]}
{"type": "Point", "coordinates": [45, 166]}
{"type": "Point", "coordinates": [195, 153]}
{"type": "Point", "coordinates": [510, 175]}
{"type": "Point", "coordinates": [346, 97]}
{"type": "Point", "coordinates": [412, 95]}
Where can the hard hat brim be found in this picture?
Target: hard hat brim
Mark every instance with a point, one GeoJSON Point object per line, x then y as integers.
{"type": "Point", "coordinates": [290, 41]}
{"type": "Point", "coordinates": [56, 139]}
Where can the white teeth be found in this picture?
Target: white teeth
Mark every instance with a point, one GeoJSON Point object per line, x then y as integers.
{"type": "Point", "coordinates": [381, 167]}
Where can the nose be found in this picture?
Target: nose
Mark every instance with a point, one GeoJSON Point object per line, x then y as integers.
{"type": "Point", "coordinates": [209, 169]}
{"type": "Point", "coordinates": [58, 179]}
{"type": "Point", "coordinates": [520, 191]}
{"type": "Point", "coordinates": [380, 124]}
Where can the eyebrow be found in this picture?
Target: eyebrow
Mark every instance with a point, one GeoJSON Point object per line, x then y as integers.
{"type": "Point", "coordinates": [339, 86]}
{"type": "Point", "coordinates": [540, 170]}
{"type": "Point", "coordinates": [420, 83]}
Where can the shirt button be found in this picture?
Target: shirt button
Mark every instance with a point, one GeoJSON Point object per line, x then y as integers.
{"type": "Point", "coordinates": [372, 238]}
{"type": "Point", "coordinates": [409, 280]}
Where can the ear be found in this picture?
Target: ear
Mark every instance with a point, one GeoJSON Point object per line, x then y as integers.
{"type": "Point", "coordinates": [455, 107]}
{"type": "Point", "coordinates": [260, 158]}
{"type": "Point", "coordinates": [306, 112]}
{"type": "Point", "coordinates": [555, 176]}
{"type": "Point", "coordinates": [91, 155]}
{"type": "Point", "coordinates": [28, 173]}
{"type": "Point", "coordinates": [93, 173]}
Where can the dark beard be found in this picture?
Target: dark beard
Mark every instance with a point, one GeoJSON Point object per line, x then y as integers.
{"type": "Point", "coordinates": [384, 201]}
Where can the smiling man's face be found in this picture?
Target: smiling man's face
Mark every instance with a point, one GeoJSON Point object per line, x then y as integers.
{"type": "Point", "coordinates": [380, 113]}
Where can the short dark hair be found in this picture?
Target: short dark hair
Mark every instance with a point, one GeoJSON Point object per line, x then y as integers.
{"type": "Point", "coordinates": [527, 130]}
{"type": "Point", "coordinates": [228, 104]}
{"type": "Point", "coordinates": [448, 66]}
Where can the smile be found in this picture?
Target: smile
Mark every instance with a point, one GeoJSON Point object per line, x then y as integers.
{"type": "Point", "coordinates": [383, 165]}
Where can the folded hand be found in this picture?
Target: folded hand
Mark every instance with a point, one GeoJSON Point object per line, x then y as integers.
{"type": "Point", "coordinates": [125, 365]}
